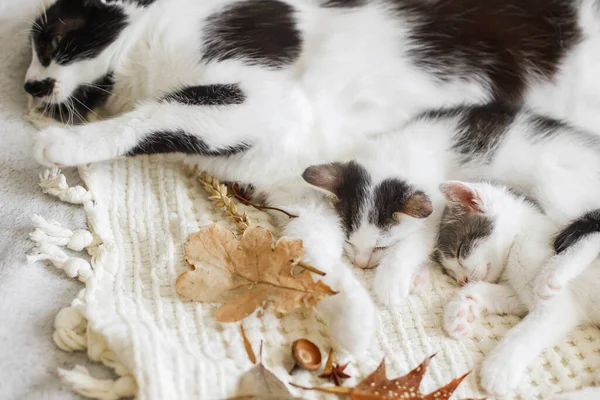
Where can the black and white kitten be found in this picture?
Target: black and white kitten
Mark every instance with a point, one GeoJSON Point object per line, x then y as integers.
{"type": "Point", "coordinates": [260, 89]}
{"type": "Point", "coordinates": [502, 244]}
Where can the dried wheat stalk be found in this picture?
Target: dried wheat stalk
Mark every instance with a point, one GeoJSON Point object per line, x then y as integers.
{"type": "Point", "coordinates": [220, 197]}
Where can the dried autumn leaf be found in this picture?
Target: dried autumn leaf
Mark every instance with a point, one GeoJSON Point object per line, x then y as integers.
{"type": "Point", "coordinates": [377, 387]}
{"type": "Point", "coordinates": [263, 382]}
{"type": "Point", "coordinates": [248, 346]}
{"type": "Point", "coordinates": [248, 273]}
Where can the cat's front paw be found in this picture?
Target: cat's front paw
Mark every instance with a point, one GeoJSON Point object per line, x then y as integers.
{"type": "Point", "coordinates": [390, 289]}
{"type": "Point", "coordinates": [547, 286]}
{"type": "Point", "coordinates": [420, 280]}
{"type": "Point", "coordinates": [461, 315]}
{"type": "Point", "coordinates": [346, 311]}
{"type": "Point", "coordinates": [56, 146]}
{"type": "Point", "coordinates": [501, 373]}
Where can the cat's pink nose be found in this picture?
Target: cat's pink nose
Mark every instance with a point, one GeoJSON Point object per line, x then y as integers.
{"type": "Point", "coordinates": [464, 281]}
{"type": "Point", "coordinates": [363, 262]}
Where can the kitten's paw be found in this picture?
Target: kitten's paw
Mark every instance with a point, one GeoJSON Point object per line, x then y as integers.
{"type": "Point", "coordinates": [461, 315]}
{"type": "Point", "coordinates": [547, 286]}
{"type": "Point", "coordinates": [389, 290]}
{"type": "Point", "coordinates": [343, 313]}
{"type": "Point", "coordinates": [420, 280]}
{"type": "Point", "coordinates": [501, 373]}
{"type": "Point", "coordinates": [58, 147]}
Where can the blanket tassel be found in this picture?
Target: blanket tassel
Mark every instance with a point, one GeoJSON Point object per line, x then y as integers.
{"type": "Point", "coordinates": [80, 381]}
{"type": "Point", "coordinates": [54, 182]}
{"type": "Point", "coordinates": [51, 232]}
{"type": "Point", "coordinates": [73, 266]}
{"type": "Point", "coordinates": [70, 330]}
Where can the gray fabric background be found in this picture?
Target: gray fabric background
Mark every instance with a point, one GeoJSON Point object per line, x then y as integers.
{"type": "Point", "coordinates": [30, 295]}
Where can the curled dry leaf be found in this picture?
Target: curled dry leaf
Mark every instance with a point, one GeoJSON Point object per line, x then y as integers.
{"type": "Point", "coordinates": [248, 346]}
{"type": "Point", "coordinates": [377, 387]}
{"type": "Point", "coordinates": [263, 384]}
{"type": "Point", "coordinates": [247, 273]}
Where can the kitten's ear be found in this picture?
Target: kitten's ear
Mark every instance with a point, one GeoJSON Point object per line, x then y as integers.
{"type": "Point", "coordinates": [462, 196]}
{"type": "Point", "coordinates": [325, 176]}
{"type": "Point", "coordinates": [417, 206]}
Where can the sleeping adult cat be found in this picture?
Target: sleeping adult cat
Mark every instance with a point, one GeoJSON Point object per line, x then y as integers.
{"type": "Point", "coordinates": [258, 90]}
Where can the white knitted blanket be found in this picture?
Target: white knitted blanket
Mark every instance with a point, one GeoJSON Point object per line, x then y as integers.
{"type": "Point", "coordinates": [141, 211]}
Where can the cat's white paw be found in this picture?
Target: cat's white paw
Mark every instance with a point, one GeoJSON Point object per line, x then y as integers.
{"type": "Point", "coordinates": [461, 315]}
{"type": "Point", "coordinates": [56, 146]}
{"type": "Point", "coordinates": [547, 286]}
{"type": "Point", "coordinates": [390, 289]}
{"type": "Point", "coordinates": [343, 313]}
{"type": "Point", "coordinates": [420, 280]}
{"type": "Point", "coordinates": [501, 373]}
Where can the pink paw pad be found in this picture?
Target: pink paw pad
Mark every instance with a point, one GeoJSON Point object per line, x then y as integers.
{"type": "Point", "coordinates": [461, 315]}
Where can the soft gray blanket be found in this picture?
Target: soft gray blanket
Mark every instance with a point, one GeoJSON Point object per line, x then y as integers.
{"type": "Point", "coordinates": [30, 295]}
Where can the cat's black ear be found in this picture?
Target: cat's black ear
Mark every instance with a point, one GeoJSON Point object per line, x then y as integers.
{"type": "Point", "coordinates": [328, 177]}
{"type": "Point", "coordinates": [417, 206]}
{"type": "Point", "coordinates": [462, 196]}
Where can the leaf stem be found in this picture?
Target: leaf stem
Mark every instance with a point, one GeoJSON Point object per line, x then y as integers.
{"type": "Point", "coordinates": [258, 206]}
{"type": "Point", "coordinates": [311, 268]}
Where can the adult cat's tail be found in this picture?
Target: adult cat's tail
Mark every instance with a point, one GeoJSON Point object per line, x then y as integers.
{"type": "Point", "coordinates": [587, 224]}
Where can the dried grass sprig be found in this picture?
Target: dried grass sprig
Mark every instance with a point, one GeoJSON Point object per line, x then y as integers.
{"type": "Point", "coordinates": [220, 197]}
{"type": "Point", "coordinates": [218, 194]}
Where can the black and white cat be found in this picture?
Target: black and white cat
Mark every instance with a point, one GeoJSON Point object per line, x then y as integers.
{"type": "Point", "coordinates": [258, 90]}
{"type": "Point", "coordinates": [503, 243]}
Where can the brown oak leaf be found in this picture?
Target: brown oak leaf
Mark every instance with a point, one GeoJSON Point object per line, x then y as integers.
{"type": "Point", "coordinates": [377, 387]}
{"type": "Point", "coordinates": [247, 273]}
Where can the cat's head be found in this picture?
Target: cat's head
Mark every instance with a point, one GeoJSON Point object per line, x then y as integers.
{"type": "Point", "coordinates": [477, 229]}
{"type": "Point", "coordinates": [375, 214]}
{"type": "Point", "coordinates": [71, 48]}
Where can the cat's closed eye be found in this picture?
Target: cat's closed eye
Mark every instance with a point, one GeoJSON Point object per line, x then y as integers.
{"type": "Point", "coordinates": [459, 250]}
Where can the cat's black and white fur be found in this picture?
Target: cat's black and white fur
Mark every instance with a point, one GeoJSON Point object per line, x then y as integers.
{"type": "Point", "coordinates": [260, 89]}
{"type": "Point", "coordinates": [503, 244]}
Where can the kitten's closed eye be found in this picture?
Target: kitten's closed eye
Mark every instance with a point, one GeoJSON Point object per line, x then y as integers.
{"type": "Point", "coordinates": [459, 250]}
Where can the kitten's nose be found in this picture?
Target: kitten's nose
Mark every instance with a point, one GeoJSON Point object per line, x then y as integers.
{"type": "Point", "coordinates": [363, 262]}
{"type": "Point", "coordinates": [464, 281]}
{"type": "Point", "coordinates": [40, 88]}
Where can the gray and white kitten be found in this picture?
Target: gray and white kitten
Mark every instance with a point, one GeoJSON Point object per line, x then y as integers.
{"type": "Point", "coordinates": [390, 207]}
{"type": "Point", "coordinates": [500, 246]}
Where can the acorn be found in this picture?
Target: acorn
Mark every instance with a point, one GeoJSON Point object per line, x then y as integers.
{"type": "Point", "coordinates": [306, 355]}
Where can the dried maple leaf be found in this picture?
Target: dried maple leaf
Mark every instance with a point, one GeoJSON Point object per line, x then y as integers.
{"type": "Point", "coordinates": [248, 273]}
{"type": "Point", "coordinates": [377, 387]}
